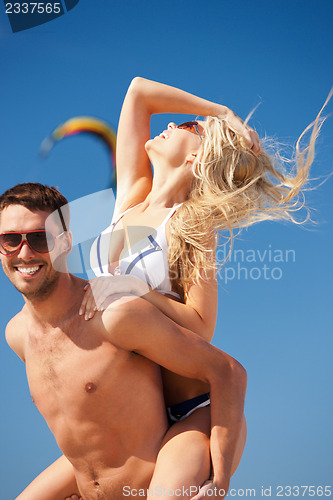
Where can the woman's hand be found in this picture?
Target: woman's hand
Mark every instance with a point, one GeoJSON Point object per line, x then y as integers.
{"type": "Point", "coordinates": [100, 289]}
{"type": "Point", "coordinates": [238, 125]}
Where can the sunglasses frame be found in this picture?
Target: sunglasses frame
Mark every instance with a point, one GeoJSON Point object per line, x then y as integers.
{"type": "Point", "coordinates": [193, 124]}
{"type": "Point", "coordinates": [24, 238]}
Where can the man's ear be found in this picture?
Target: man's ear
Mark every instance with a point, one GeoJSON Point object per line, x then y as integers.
{"type": "Point", "coordinates": [67, 242]}
{"type": "Point", "coordinates": [64, 247]}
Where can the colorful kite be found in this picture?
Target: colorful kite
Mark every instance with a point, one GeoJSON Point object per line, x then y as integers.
{"type": "Point", "coordinates": [83, 124]}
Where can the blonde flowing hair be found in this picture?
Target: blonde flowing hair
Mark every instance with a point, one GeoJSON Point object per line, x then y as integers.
{"type": "Point", "coordinates": [233, 188]}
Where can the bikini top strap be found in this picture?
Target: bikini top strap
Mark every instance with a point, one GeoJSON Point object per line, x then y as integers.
{"type": "Point", "coordinates": [170, 214]}
{"type": "Point", "coordinates": [120, 216]}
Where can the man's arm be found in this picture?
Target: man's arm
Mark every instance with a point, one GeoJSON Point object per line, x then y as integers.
{"type": "Point", "coordinates": [15, 330]}
{"type": "Point", "coordinates": [183, 352]}
{"type": "Point", "coordinates": [58, 480]}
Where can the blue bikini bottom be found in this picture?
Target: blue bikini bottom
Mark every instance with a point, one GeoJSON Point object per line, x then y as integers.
{"type": "Point", "coordinates": [178, 412]}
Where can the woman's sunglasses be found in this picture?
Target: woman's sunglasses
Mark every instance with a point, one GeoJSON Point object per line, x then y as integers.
{"type": "Point", "coordinates": [191, 127]}
{"type": "Point", "coordinates": [41, 241]}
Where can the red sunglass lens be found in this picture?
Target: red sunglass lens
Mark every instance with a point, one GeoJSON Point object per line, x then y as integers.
{"type": "Point", "coordinates": [188, 125]}
{"type": "Point", "coordinates": [10, 242]}
{"type": "Point", "coordinates": [41, 241]}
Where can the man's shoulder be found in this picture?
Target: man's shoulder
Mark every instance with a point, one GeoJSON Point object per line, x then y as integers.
{"type": "Point", "coordinates": [15, 330]}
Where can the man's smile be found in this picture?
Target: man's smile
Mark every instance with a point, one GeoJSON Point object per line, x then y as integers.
{"type": "Point", "coordinates": [28, 270]}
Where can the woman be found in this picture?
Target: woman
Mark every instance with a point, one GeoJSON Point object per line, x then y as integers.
{"type": "Point", "coordinates": [208, 175]}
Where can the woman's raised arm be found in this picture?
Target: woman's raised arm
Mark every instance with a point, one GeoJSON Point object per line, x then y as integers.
{"type": "Point", "coordinates": [134, 173]}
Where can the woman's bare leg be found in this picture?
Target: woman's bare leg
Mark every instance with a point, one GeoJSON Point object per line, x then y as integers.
{"type": "Point", "coordinates": [183, 463]}
{"type": "Point", "coordinates": [57, 482]}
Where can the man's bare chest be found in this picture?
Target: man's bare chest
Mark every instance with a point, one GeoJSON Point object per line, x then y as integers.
{"type": "Point", "coordinates": [72, 365]}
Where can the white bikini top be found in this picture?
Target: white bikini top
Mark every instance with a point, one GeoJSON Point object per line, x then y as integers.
{"type": "Point", "coordinates": [147, 259]}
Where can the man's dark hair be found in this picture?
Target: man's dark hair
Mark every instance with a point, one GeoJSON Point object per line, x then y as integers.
{"type": "Point", "coordinates": [35, 196]}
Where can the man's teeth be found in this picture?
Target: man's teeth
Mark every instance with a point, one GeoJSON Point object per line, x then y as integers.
{"type": "Point", "coordinates": [28, 270]}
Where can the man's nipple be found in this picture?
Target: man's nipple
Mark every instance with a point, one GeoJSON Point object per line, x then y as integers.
{"type": "Point", "coordinates": [90, 387]}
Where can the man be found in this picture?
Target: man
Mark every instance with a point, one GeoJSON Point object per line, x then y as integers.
{"type": "Point", "coordinates": [97, 383]}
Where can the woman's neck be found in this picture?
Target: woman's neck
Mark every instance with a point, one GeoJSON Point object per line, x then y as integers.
{"type": "Point", "coordinates": [169, 188]}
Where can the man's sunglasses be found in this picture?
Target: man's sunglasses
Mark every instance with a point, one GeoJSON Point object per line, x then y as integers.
{"type": "Point", "coordinates": [191, 127]}
{"type": "Point", "coordinates": [41, 241]}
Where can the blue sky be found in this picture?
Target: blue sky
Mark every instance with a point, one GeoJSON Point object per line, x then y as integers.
{"type": "Point", "coordinates": [276, 321]}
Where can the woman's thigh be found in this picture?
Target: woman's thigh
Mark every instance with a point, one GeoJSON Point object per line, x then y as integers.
{"type": "Point", "coordinates": [57, 482]}
{"type": "Point", "coordinates": [183, 462]}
